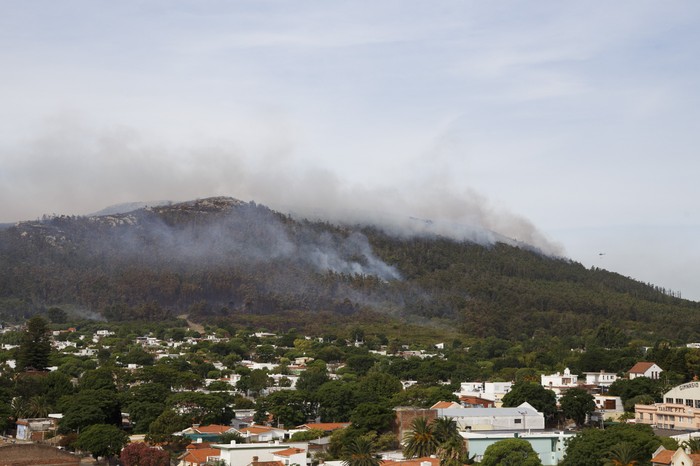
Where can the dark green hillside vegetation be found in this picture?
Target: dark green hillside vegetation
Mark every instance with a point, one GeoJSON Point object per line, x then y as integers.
{"type": "Point", "coordinates": [222, 260]}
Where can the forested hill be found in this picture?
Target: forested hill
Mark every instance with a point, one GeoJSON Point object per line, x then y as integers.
{"type": "Point", "coordinates": [222, 258]}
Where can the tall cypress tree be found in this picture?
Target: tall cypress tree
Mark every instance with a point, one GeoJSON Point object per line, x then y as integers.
{"type": "Point", "coordinates": [35, 347]}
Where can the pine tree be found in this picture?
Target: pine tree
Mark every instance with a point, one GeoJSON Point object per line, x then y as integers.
{"type": "Point", "coordinates": [35, 347]}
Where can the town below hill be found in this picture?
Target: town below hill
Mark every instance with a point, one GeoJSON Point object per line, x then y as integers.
{"type": "Point", "coordinates": [168, 394]}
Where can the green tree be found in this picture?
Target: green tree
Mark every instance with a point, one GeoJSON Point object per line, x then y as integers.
{"type": "Point", "coordinates": [622, 454]}
{"type": "Point", "coordinates": [254, 382]}
{"type": "Point", "coordinates": [336, 401]}
{"type": "Point", "coordinates": [421, 396]}
{"type": "Point", "coordinates": [89, 407]}
{"type": "Point", "coordinates": [162, 428]}
{"type": "Point", "coordinates": [421, 440]}
{"type": "Point", "coordinates": [57, 315]}
{"type": "Point", "coordinates": [378, 387]}
{"type": "Point", "coordinates": [201, 408]}
{"type": "Point", "coordinates": [691, 445]}
{"type": "Point", "coordinates": [590, 446]}
{"type": "Point", "coordinates": [98, 379]}
{"type": "Point", "coordinates": [35, 347]}
{"type": "Point", "coordinates": [102, 440]}
{"type": "Point", "coordinates": [288, 407]}
{"type": "Point", "coordinates": [577, 404]}
{"type": "Point", "coordinates": [627, 389]}
{"type": "Point", "coordinates": [372, 416]}
{"type": "Point", "coordinates": [306, 435]}
{"type": "Point", "coordinates": [511, 452]}
{"type": "Point", "coordinates": [543, 400]}
{"type": "Point", "coordinates": [312, 378]}
{"type": "Point", "coordinates": [445, 429]}
{"type": "Point", "coordinates": [361, 451]}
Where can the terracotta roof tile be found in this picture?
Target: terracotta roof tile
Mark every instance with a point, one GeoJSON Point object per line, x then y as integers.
{"type": "Point", "coordinates": [212, 429]}
{"type": "Point", "coordinates": [289, 452]}
{"type": "Point", "coordinates": [641, 367]}
{"type": "Point", "coordinates": [664, 457]}
{"type": "Point", "coordinates": [199, 456]}
{"type": "Point", "coordinates": [444, 405]}
{"type": "Point", "coordinates": [325, 426]}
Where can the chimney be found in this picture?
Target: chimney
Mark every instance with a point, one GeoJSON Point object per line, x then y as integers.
{"type": "Point", "coordinates": [199, 440]}
{"type": "Point", "coordinates": [255, 459]}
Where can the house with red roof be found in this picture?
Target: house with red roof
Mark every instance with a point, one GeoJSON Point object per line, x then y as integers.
{"type": "Point", "coordinates": [663, 457]}
{"type": "Point", "coordinates": [645, 369]}
{"type": "Point", "coordinates": [199, 456]}
{"type": "Point", "coordinates": [445, 405]}
{"type": "Point", "coordinates": [264, 454]}
{"type": "Point", "coordinates": [475, 402]}
{"type": "Point", "coordinates": [290, 455]}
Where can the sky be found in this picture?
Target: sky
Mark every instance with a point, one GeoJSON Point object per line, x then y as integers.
{"type": "Point", "coordinates": [572, 126]}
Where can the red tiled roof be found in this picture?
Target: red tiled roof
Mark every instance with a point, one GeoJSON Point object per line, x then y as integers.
{"type": "Point", "coordinates": [325, 426]}
{"type": "Point", "coordinates": [267, 463]}
{"type": "Point", "coordinates": [289, 452]}
{"type": "Point", "coordinates": [475, 400]}
{"type": "Point", "coordinates": [212, 429]}
{"type": "Point", "coordinates": [198, 445]}
{"type": "Point", "coordinates": [641, 367]}
{"type": "Point", "coordinates": [443, 405]}
{"type": "Point", "coordinates": [664, 457]}
{"type": "Point", "coordinates": [199, 456]}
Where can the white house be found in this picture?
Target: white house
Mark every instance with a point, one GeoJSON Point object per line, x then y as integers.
{"type": "Point", "coordinates": [523, 417]}
{"type": "Point", "coordinates": [600, 379]}
{"type": "Point", "coordinates": [674, 458]}
{"type": "Point", "coordinates": [291, 455]}
{"type": "Point", "coordinates": [557, 382]}
{"type": "Point", "coordinates": [257, 433]}
{"type": "Point", "coordinates": [238, 454]}
{"type": "Point", "coordinates": [645, 369]}
{"type": "Point", "coordinates": [492, 391]}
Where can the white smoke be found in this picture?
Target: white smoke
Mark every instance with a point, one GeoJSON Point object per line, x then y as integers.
{"type": "Point", "coordinates": [71, 168]}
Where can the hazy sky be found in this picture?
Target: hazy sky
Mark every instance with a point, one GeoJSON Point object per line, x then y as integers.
{"type": "Point", "coordinates": [573, 125]}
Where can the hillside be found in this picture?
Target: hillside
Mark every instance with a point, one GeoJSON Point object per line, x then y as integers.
{"type": "Point", "coordinates": [221, 258]}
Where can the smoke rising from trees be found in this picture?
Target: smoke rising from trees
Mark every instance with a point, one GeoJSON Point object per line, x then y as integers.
{"type": "Point", "coordinates": [71, 168]}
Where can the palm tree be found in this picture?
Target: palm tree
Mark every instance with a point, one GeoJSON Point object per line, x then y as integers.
{"type": "Point", "coordinates": [691, 445]}
{"type": "Point", "coordinates": [445, 429]}
{"type": "Point", "coordinates": [360, 452]}
{"type": "Point", "coordinates": [453, 452]}
{"type": "Point", "coordinates": [38, 406]}
{"type": "Point", "coordinates": [421, 441]}
{"type": "Point", "coordinates": [622, 454]}
{"type": "Point", "coordinates": [19, 407]}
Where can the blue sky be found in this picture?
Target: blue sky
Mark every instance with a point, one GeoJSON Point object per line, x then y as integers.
{"type": "Point", "coordinates": [571, 125]}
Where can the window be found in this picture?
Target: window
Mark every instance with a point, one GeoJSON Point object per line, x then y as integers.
{"type": "Point", "coordinates": [518, 421]}
{"type": "Point", "coordinates": [697, 403]}
{"type": "Point", "coordinates": [669, 400]}
{"type": "Point", "coordinates": [689, 403]}
{"type": "Point", "coordinates": [679, 401]}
